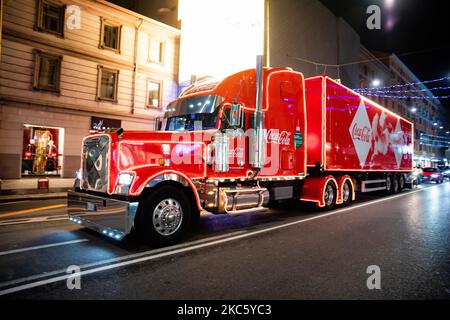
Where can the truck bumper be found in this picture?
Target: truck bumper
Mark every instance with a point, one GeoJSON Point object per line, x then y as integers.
{"type": "Point", "coordinates": [111, 217]}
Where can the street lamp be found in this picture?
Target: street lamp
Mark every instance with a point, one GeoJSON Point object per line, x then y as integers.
{"type": "Point", "coordinates": [376, 83]}
{"type": "Point", "coordinates": [389, 3]}
{"type": "Point", "coordinates": [413, 109]}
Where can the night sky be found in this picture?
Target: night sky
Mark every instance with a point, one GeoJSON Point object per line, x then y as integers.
{"type": "Point", "coordinates": [420, 33]}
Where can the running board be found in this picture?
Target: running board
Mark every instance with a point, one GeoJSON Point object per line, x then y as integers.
{"type": "Point", "coordinates": [251, 210]}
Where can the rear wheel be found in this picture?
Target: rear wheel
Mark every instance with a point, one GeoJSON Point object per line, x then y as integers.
{"type": "Point", "coordinates": [329, 196]}
{"type": "Point", "coordinates": [401, 182]}
{"type": "Point", "coordinates": [388, 184]}
{"type": "Point", "coordinates": [163, 217]}
{"type": "Point", "coordinates": [394, 185]}
{"type": "Point", "coordinates": [347, 192]}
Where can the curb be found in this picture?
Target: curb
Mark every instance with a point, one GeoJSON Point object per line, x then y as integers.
{"type": "Point", "coordinates": [41, 196]}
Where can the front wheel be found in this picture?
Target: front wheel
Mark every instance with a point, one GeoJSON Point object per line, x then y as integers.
{"type": "Point", "coordinates": [163, 216]}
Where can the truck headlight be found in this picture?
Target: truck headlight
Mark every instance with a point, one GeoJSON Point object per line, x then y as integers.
{"type": "Point", "coordinates": [125, 179]}
{"type": "Point", "coordinates": [123, 183]}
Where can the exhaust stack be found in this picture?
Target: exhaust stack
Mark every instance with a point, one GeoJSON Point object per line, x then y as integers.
{"type": "Point", "coordinates": [258, 142]}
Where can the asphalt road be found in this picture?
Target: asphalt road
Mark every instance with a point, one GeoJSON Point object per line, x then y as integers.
{"type": "Point", "coordinates": [284, 253]}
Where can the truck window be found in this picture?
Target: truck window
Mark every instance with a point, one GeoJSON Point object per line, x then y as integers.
{"type": "Point", "coordinates": [193, 113]}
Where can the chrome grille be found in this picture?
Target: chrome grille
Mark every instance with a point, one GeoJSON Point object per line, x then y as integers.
{"type": "Point", "coordinates": [95, 164]}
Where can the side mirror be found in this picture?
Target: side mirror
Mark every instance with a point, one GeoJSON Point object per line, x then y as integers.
{"type": "Point", "coordinates": [233, 115]}
{"type": "Point", "coordinates": [158, 124]}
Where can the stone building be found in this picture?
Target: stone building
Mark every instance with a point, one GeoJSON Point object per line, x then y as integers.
{"type": "Point", "coordinates": [71, 66]}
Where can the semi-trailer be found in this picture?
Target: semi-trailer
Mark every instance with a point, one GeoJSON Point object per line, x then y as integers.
{"type": "Point", "coordinates": [234, 146]}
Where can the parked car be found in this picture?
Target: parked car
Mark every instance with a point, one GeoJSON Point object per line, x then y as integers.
{"type": "Point", "coordinates": [432, 174]}
{"type": "Point", "coordinates": [445, 171]}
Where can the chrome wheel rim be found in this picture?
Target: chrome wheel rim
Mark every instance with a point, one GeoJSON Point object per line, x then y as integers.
{"type": "Point", "coordinates": [329, 195]}
{"type": "Point", "coordinates": [167, 217]}
{"type": "Point", "coordinates": [388, 183]}
{"type": "Point", "coordinates": [346, 192]}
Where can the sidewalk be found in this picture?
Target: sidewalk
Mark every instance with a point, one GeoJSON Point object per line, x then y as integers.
{"type": "Point", "coordinates": [26, 189]}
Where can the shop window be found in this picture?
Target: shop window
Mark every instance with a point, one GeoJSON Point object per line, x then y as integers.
{"type": "Point", "coordinates": [153, 94]}
{"type": "Point", "coordinates": [156, 51]}
{"type": "Point", "coordinates": [42, 150]}
{"type": "Point", "coordinates": [51, 17]}
{"type": "Point", "coordinates": [110, 35]}
{"type": "Point", "coordinates": [107, 84]}
{"type": "Point", "coordinates": [47, 71]}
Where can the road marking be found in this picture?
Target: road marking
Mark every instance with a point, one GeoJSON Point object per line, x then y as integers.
{"type": "Point", "coordinates": [13, 202]}
{"type": "Point", "coordinates": [121, 258]}
{"type": "Point", "coordinates": [34, 220]}
{"type": "Point", "coordinates": [15, 213]}
{"type": "Point", "coordinates": [4, 253]}
{"type": "Point", "coordinates": [202, 245]}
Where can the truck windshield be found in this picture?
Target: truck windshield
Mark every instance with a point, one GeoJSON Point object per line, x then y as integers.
{"type": "Point", "coordinates": [193, 113]}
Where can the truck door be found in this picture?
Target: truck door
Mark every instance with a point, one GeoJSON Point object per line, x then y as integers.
{"type": "Point", "coordinates": [285, 124]}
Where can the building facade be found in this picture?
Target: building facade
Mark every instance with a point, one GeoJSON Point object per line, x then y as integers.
{"type": "Point", "coordinates": [71, 66]}
{"type": "Point", "coordinates": [413, 102]}
{"type": "Point", "coordinates": [307, 36]}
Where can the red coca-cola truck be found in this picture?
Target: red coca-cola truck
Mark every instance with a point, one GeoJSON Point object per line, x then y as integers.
{"type": "Point", "coordinates": [235, 146]}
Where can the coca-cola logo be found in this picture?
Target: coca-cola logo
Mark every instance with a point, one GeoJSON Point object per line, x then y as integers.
{"type": "Point", "coordinates": [275, 136]}
{"type": "Point", "coordinates": [362, 133]}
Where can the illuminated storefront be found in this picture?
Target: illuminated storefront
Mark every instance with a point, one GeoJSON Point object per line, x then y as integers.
{"type": "Point", "coordinates": [42, 150]}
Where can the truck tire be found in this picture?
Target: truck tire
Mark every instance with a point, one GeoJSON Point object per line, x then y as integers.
{"type": "Point", "coordinates": [163, 217]}
{"type": "Point", "coordinates": [347, 193]}
{"type": "Point", "coordinates": [388, 184]}
{"type": "Point", "coordinates": [401, 183]}
{"type": "Point", "coordinates": [329, 196]}
{"type": "Point", "coordinates": [394, 185]}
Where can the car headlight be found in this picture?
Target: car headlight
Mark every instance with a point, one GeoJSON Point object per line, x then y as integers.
{"type": "Point", "coordinates": [125, 179]}
{"type": "Point", "coordinates": [434, 175]}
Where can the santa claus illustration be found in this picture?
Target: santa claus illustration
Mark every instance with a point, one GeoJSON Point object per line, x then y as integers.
{"type": "Point", "coordinates": [381, 132]}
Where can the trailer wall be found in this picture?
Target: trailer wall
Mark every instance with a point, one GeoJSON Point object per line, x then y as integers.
{"type": "Point", "coordinates": [347, 132]}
